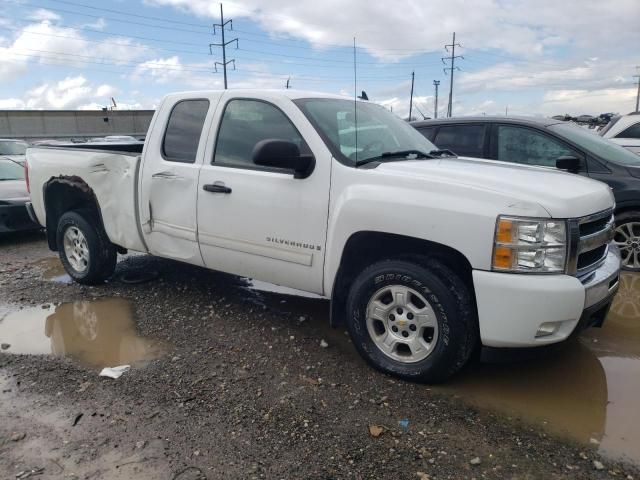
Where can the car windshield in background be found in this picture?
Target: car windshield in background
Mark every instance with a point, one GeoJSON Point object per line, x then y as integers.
{"type": "Point", "coordinates": [13, 148]}
{"type": "Point", "coordinates": [377, 132]}
{"type": "Point", "coordinates": [596, 144]}
{"type": "Point", "coordinates": [10, 170]}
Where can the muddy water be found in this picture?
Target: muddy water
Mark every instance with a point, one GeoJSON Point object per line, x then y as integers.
{"type": "Point", "coordinates": [53, 270]}
{"type": "Point", "coordinates": [96, 333]}
{"type": "Point", "coordinates": [587, 390]}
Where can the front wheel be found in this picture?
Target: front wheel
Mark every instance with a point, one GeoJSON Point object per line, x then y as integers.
{"type": "Point", "coordinates": [627, 238]}
{"type": "Point", "coordinates": [414, 319]}
{"type": "Point", "coordinates": [84, 249]}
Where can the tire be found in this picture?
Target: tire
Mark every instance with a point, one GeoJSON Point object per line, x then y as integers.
{"type": "Point", "coordinates": [448, 307]}
{"type": "Point", "coordinates": [88, 256]}
{"type": "Point", "coordinates": [627, 237]}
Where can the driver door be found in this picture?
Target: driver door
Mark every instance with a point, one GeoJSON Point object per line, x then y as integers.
{"type": "Point", "coordinates": [258, 221]}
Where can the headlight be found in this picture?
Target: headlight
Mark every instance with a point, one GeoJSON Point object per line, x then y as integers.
{"type": "Point", "coordinates": [530, 245]}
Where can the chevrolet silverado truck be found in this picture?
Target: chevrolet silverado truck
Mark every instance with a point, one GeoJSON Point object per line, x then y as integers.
{"type": "Point", "coordinates": [424, 255]}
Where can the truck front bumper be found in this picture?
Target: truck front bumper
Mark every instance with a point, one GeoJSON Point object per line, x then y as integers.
{"type": "Point", "coordinates": [520, 310]}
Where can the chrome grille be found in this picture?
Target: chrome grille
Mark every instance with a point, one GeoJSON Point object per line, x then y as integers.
{"type": "Point", "coordinates": [589, 242]}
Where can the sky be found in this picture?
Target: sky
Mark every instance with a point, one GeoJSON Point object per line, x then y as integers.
{"type": "Point", "coordinates": [527, 57]}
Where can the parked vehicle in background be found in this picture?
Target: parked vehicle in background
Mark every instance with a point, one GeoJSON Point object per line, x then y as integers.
{"type": "Point", "coordinates": [554, 144]}
{"type": "Point", "coordinates": [13, 198]}
{"type": "Point", "coordinates": [114, 138]}
{"type": "Point", "coordinates": [625, 131]}
{"type": "Point", "coordinates": [13, 149]}
{"type": "Point", "coordinates": [423, 258]}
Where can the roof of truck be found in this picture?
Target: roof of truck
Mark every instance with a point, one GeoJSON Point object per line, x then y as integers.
{"type": "Point", "coordinates": [289, 93]}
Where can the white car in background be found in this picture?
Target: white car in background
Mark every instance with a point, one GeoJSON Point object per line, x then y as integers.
{"type": "Point", "coordinates": [625, 131]}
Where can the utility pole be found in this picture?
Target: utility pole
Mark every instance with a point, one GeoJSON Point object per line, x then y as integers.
{"type": "Point", "coordinates": [223, 44]}
{"type": "Point", "coordinates": [435, 109]}
{"type": "Point", "coordinates": [411, 97]}
{"type": "Point", "coordinates": [638, 94]}
{"type": "Point", "coordinates": [452, 59]}
{"type": "Point", "coordinates": [287, 85]}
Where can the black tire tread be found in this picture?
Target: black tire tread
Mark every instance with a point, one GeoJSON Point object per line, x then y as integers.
{"type": "Point", "coordinates": [94, 231]}
{"type": "Point", "coordinates": [463, 298]}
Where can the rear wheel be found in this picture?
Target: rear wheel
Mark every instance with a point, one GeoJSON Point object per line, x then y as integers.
{"type": "Point", "coordinates": [412, 318]}
{"type": "Point", "coordinates": [627, 238]}
{"type": "Point", "coordinates": [84, 249]}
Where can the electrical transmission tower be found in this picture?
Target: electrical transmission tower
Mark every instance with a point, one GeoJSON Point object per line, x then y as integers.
{"type": "Point", "coordinates": [435, 108]}
{"type": "Point", "coordinates": [452, 68]}
{"type": "Point", "coordinates": [638, 94]}
{"type": "Point", "coordinates": [223, 44]}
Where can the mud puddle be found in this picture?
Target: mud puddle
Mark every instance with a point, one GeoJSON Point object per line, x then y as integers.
{"type": "Point", "coordinates": [97, 333]}
{"type": "Point", "coordinates": [52, 270]}
{"type": "Point", "coordinates": [586, 390]}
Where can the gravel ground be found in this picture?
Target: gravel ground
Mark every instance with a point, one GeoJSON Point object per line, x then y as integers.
{"type": "Point", "coordinates": [246, 391]}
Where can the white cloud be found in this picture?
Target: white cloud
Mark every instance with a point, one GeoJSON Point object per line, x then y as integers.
{"type": "Point", "coordinates": [42, 15]}
{"type": "Point", "coordinates": [49, 44]}
{"type": "Point", "coordinates": [172, 71]}
{"type": "Point", "coordinates": [577, 102]}
{"type": "Point", "coordinates": [524, 27]}
{"type": "Point", "coordinates": [68, 93]}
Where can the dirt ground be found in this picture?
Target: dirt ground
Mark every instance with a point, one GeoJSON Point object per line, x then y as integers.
{"type": "Point", "coordinates": [246, 384]}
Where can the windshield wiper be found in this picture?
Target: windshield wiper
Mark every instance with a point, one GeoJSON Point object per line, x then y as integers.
{"type": "Point", "coordinates": [442, 153]}
{"type": "Point", "coordinates": [399, 154]}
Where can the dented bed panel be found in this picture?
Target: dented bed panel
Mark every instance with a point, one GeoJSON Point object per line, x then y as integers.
{"type": "Point", "coordinates": [110, 177]}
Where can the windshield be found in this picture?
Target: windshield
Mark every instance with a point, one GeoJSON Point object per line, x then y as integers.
{"type": "Point", "coordinates": [378, 131]}
{"type": "Point", "coordinates": [13, 148]}
{"type": "Point", "coordinates": [10, 170]}
{"type": "Point", "coordinates": [597, 145]}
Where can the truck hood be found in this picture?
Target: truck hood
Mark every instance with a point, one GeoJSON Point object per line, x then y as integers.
{"type": "Point", "coordinates": [561, 194]}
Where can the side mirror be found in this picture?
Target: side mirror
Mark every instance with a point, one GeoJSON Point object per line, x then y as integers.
{"type": "Point", "coordinates": [569, 163]}
{"type": "Point", "coordinates": [283, 154]}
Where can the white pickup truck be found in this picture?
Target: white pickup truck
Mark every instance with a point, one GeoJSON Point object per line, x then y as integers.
{"type": "Point", "coordinates": [425, 256]}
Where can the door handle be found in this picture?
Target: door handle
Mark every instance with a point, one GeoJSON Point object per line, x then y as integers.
{"type": "Point", "coordinates": [216, 188]}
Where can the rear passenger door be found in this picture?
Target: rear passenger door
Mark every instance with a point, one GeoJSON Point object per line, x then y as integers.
{"type": "Point", "coordinates": [172, 160]}
{"type": "Point", "coordinates": [467, 140]}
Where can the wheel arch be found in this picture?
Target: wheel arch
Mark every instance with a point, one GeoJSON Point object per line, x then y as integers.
{"type": "Point", "coordinates": [366, 247]}
{"type": "Point", "coordinates": [63, 194]}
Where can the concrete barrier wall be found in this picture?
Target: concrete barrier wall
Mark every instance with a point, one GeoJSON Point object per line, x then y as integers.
{"type": "Point", "coordinates": [68, 124]}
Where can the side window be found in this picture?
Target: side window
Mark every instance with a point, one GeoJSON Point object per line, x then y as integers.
{"type": "Point", "coordinates": [528, 146]}
{"type": "Point", "coordinates": [428, 132]}
{"type": "Point", "coordinates": [245, 123]}
{"type": "Point", "coordinates": [466, 140]}
{"type": "Point", "coordinates": [630, 132]}
{"type": "Point", "coordinates": [181, 138]}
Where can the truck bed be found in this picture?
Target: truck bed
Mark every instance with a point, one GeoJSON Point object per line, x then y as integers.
{"type": "Point", "coordinates": [110, 171]}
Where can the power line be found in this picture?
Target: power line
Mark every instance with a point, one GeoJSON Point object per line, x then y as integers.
{"type": "Point", "coordinates": [452, 68]}
{"type": "Point", "coordinates": [128, 14]}
{"type": "Point", "coordinates": [112, 19]}
{"type": "Point", "coordinates": [223, 44]}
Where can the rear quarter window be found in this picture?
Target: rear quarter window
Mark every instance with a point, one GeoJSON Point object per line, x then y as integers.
{"type": "Point", "coordinates": [182, 136]}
